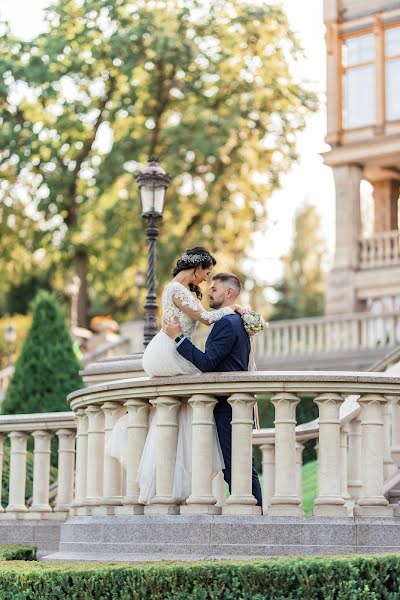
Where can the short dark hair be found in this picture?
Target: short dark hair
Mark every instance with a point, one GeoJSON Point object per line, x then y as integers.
{"type": "Point", "coordinates": [231, 279]}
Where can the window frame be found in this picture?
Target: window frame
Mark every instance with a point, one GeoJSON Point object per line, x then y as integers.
{"type": "Point", "coordinates": [386, 60]}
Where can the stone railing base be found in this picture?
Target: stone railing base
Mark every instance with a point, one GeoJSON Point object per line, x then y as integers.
{"type": "Point", "coordinates": [202, 537]}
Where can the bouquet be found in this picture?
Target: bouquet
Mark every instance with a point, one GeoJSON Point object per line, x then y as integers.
{"type": "Point", "coordinates": [253, 322]}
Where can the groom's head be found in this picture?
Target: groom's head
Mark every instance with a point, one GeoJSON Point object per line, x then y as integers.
{"type": "Point", "coordinates": [224, 290]}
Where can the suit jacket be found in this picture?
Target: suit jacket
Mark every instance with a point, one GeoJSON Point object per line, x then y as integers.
{"type": "Point", "coordinates": [227, 347]}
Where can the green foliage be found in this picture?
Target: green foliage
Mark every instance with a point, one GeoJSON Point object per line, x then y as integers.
{"type": "Point", "coordinates": [46, 370]}
{"type": "Point", "coordinates": [208, 88]}
{"type": "Point", "coordinates": [331, 578]}
{"type": "Point", "coordinates": [302, 289]}
{"type": "Point", "coordinates": [309, 477]}
{"type": "Point", "coordinates": [15, 552]}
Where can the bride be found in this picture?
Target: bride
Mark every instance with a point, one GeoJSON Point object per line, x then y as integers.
{"type": "Point", "coordinates": [181, 300]}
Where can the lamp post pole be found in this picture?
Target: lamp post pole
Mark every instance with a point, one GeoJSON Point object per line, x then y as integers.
{"type": "Point", "coordinates": [150, 305]}
{"type": "Point", "coordinates": [153, 182]}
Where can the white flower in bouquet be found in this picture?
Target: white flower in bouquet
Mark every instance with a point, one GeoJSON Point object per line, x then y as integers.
{"type": "Point", "coordinates": [253, 322]}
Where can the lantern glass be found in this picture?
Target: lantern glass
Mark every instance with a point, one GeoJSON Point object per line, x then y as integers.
{"type": "Point", "coordinates": [10, 334]}
{"type": "Point", "coordinates": [152, 196]}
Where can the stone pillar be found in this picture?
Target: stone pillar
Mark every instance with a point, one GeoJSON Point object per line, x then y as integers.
{"type": "Point", "coordinates": [373, 502]}
{"type": "Point", "coordinates": [201, 500]}
{"type": "Point", "coordinates": [1, 468]}
{"type": "Point", "coordinates": [66, 456]}
{"type": "Point", "coordinates": [81, 457]}
{"type": "Point", "coordinates": [333, 93]}
{"type": "Point", "coordinates": [386, 196]}
{"type": "Point", "coordinates": [268, 463]}
{"type": "Point", "coordinates": [299, 469]}
{"type": "Point", "coordinates": [344, 465]}
{"type": "Point", "coordinates": [17, 476]}
{"type": "Point", "coordinates": [341, 292]}
{"type": "Point", "coordinates": [354, 484]}
{"type": "Point", "coordinates": [241, 501]}
{"type": "Point", "coordinates": [285, 501]}
{"type": "Point", "coordinates": [41, 472]}
{"type": "Point", "coordinates": [167, 439]}
{"type": "Point", "coordinates": [395, 429]}
{"type": "Point", "coordinates": [329, 502]}
{"type": "Point", "coordinates": [95, 455]}
{"type": "Point", "coordinates": [112, 470]}
{"type": "Point", "coordinates": [138, 414]}
{"type": "Point", "coordinates": [389, 467]}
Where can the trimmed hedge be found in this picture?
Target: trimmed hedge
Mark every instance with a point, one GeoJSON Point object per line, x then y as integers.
{"type": "Point", "coordinates": [326, 578]}
{"type": "Point", "coordinates": [14, 552]}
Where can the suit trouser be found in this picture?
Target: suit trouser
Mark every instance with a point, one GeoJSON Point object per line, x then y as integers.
{"type": "Point", "coordinates": [223, 418]}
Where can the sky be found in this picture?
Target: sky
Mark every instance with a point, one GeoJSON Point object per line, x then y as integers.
{"type": "Point", "coordinates": [309, 180]}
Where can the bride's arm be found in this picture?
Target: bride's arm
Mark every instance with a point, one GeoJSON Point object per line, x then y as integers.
{"type": "Point", "coordinates": [194, 309]}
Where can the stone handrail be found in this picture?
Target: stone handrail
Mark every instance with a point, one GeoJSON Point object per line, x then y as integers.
{"type": "Point", "coordinates": [99, 482]}
{"type": "Point", "coordinates": [42, 427]}
{"type": "Point", "coordinates": [380, 249]}
{"type": "Point", "coordinates": [342, 333]}
{"type": "Point", "coordinates": [107, 350]}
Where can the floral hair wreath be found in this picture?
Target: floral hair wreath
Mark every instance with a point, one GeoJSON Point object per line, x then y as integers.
{"type": "Point", "coordinates": [194, 258]}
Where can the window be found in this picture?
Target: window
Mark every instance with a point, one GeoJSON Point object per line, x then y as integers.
{"type": "Point", "coordinates": [359, 101]}
{"type": "Point", "coordinates": [392, 73]}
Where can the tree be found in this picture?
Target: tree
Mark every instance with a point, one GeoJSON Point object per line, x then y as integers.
{"type": "Point", "coordinates": [302, 288]}
{"type": "Point", "coordinates": [46, 370]}
{"type": "Point", "coordinates": [206, 86]}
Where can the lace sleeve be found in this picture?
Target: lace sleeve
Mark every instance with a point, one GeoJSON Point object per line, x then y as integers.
{"type": "Point", "coordinates": [184, 300]}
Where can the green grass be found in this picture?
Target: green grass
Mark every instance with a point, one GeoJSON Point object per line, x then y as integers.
{"type": "Point", "coordinates": [309, 475]}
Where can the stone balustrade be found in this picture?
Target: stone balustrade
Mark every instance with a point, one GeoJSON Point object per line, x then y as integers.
{"type": "Point", "coordinates": [380, 249]}
{"type": "Point", "coordinates": [354, 455]}
{"type": "Point", "coordinates": [16, 430]}
{"type": "Point", "coordinates": [318, 335]}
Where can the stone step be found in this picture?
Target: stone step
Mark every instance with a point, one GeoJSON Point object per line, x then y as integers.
{"type": "Point", "coordinates": [43, 534]}
{"type": "Point", "coordinates": [137, 538]}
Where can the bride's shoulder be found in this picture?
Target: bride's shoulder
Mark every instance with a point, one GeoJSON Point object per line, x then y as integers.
{"type": "Point", "coordinates": [174, 287]}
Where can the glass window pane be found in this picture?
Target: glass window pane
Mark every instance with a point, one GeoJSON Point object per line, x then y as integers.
{"type": "Point", "coordinates": [393, 89]}
{"type": "Point", "coordinates": [358, 50]}
{"type": "Point", "coordinates": [359, 97]}
{"type": "Point", "coordinates": [392, 41]}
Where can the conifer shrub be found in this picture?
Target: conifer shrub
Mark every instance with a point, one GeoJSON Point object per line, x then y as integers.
{"type": "Point", "coordinates": [47, 370]}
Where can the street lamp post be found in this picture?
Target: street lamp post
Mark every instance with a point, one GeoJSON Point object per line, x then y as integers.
{"type": "Point", "coordinates": [10, 335]}
{"type": "Point", "coordinates": [153, 182]}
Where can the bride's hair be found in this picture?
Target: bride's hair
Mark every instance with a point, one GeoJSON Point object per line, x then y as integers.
{"type": "Point", "coordinates": [194, 258]}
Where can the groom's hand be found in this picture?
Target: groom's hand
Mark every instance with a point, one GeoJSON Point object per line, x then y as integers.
{"type": "Point", "coordinates": [171, 328]}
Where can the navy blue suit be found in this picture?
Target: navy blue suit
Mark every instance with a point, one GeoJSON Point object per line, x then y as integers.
{"type": "Point", "coordinates": [227, 349]}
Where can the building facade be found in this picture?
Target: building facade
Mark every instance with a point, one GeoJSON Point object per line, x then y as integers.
{"type": "Point", "coordinates": [363, 130]}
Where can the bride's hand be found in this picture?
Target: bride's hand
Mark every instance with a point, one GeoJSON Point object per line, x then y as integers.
{"type": "Point", "coordinates": [241, 310]}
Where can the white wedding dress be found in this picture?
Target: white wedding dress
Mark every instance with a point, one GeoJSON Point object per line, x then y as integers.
{"type": "Point", "coordinates": [161, 358]}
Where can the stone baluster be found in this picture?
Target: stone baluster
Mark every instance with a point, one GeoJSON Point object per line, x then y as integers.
{"type": "Point", "coordinates": [285, 501]}
{"type": "Point", "coordinates": [354, 484]}
{"type": "Point", "coordinates": [329, 502]}
{"type": "Point", "coordinates": [41, 472]}
{"type": "Point", "coordinates": [167, 408]}
{"type": "Point", "coordinates": [17, 477]}
{"type": "Point", "coordinates": [303, 339]}
{"type": "Point", "coordinates": [241, 501]}
{"type": "Point", "coordinates": [320, 337]}
{"type": "Point", "coordinates": [138, 420]}
{"type": "Point", "coordinates": [388, 250]}
{"type": "Point", "coordinates": [395, 429]}
{"type": "Point", "coordinates": [112, 469]}
{"type": "Point", "coordinates": [389, 467]}
{"type": "Point", "coordinates": [81, 461]}
{"type": "Point", "coordinates": [373, 502]}
{"type": "Point", "coordinates": [299, 469]}
{"type": "Point", "coordinates": [311, 338]}
{"type": "Point", "coordinates": [66, 459]}
{"type": "Point", "coordinates": [95, 455]}
{"type": "Point", "coordinates": [286, 341]}
{"type": "Point", "coordinates": [1, 468]}
{"type": "Point", "coordinates": [201, 500]}
{"type": "Point", "coordinates": [268, 463]}
{"type": "Point", "coordinates": [344, 465]}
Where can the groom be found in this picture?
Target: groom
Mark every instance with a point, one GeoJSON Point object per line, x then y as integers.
{"type": "Point", "coordinates": [227, 349]}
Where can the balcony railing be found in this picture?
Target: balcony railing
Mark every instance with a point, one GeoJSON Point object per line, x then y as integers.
{"type": "Point", "coordinates": [381, 249]}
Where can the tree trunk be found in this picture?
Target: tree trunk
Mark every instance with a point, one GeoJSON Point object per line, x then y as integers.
{"type": "Point", "coordinates": [82, 298]}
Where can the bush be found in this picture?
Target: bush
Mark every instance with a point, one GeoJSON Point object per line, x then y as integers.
{"type": "Point", "coordinates": [46, 370]}
{"type": "Point", "coordinates": [13, 552]}
{"type": "Point", "coordinates": [327, 578]}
